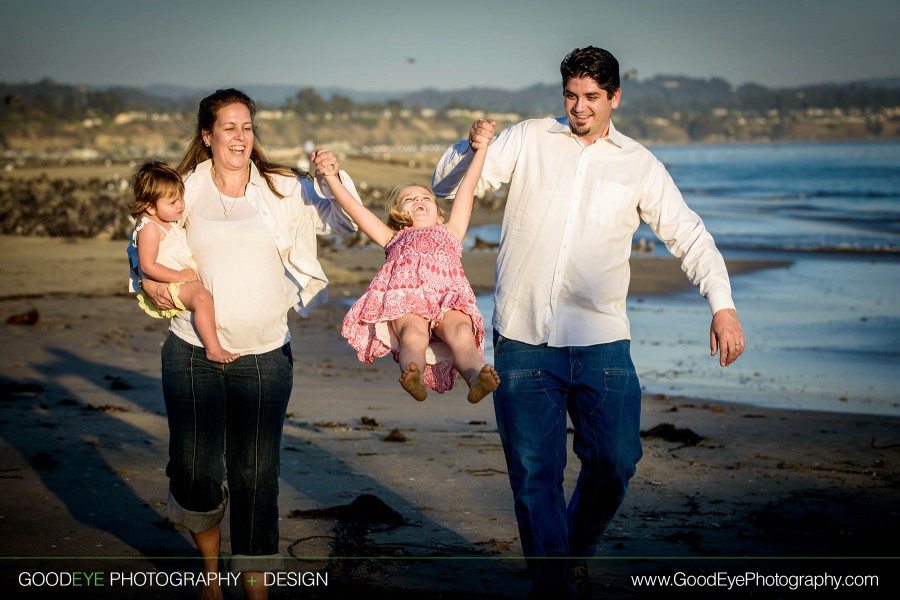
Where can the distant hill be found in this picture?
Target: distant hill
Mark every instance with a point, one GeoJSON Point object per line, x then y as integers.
{"type": "Point", "coordinates": [659, 95]}
{"type": "Point", "coordinates": [662, 95]}
{"type": "Point", "coordinates": [884, 82]}
{"type": "Point", "coordinates": [271, 95]}
{"type": "Point", "coordinates": [48, 120]}
{"type": "Point", "coordinates": [536, 99]}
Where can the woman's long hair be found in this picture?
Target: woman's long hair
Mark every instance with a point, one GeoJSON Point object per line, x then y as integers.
{"type": "Point", "coordinates": [198, 151]}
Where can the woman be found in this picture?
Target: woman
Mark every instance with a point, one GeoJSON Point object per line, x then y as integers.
{"type": "Point", "coordinates": [251, 226]}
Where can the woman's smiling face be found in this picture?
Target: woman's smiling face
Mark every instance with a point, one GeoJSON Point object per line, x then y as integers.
{"type": "Point", "coordinates": [231, 138]}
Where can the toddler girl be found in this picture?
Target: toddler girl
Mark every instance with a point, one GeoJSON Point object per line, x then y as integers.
{"type": "Point", "coordinates": [163, 253]}
{"type": "Point", "coordinates": [420, 305]}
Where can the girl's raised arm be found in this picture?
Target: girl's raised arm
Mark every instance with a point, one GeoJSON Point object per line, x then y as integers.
{"type": "Point", "coordinates": [368, 221]}
{"type": "Point", "coordinates": [461, 211]}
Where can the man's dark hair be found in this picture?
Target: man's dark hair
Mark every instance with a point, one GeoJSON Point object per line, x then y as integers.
{"type": "Point", "coordinates": [596, 63]}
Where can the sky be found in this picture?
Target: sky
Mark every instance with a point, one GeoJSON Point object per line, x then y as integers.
{"type": "Point", "coordinates": [402, 45]}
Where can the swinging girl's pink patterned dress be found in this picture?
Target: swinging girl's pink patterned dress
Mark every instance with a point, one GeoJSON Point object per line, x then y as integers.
{"type": "Point", "coordinates": [422, 275]}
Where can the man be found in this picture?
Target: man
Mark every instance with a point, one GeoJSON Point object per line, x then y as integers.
{"type": "Point", "coordinates": [578, 190]}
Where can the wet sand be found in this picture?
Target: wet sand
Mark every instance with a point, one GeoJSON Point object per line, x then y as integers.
{"type": "Point", "coordinates": [386, 496]}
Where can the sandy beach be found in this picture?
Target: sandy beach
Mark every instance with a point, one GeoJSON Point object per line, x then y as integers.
{"type": "Point", "coordinates": [386, 497]}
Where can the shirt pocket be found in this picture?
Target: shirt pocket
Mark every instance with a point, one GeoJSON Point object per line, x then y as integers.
{"type": "Point", "coordinates": [610, 203]}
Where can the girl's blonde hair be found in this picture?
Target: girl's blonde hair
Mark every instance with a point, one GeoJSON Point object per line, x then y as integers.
{"type": "Point", "coordinates": [154, 180]}
{"type": "Point", "coordinates": [397, 219]}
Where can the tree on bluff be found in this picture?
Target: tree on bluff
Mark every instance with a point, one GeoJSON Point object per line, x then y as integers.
{"type": "Point", "coordinates": [308, 101]}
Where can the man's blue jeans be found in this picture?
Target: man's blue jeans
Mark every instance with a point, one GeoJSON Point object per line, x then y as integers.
{"type": "Point", "coordinates": [599, 389]}
{"type": "Point", "coordinates": [246, 399]}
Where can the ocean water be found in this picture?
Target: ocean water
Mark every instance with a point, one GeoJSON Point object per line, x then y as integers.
{"type": "Point", "coordinates": [823, 333]}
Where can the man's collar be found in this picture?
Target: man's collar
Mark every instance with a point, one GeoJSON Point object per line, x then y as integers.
{"type": "Point", "coordinates": [561, 125]}
{"type": "Point", "coordinates": [614, 136]}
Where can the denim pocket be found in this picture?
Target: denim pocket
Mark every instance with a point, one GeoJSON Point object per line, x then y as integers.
{"type": "Point", "coordinates": [522, 383]}
{"type": "Point", "coordinates": [530, 373]}
{"type": "Point", "coordinates": [615, 386]}
{"type": "Point", "coordinates": [615, 380]}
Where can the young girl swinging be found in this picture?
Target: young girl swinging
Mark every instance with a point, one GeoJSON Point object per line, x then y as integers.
{"type": "Point", "coordinates": [420, 306]}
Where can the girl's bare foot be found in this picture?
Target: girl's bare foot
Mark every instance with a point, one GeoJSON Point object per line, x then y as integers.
{"type": "Point", "coordinates": [411, 380]}
{"type": "Point", "coordinates": [221, 355]}
{"type": "Point", "coordinates": [486, 382]}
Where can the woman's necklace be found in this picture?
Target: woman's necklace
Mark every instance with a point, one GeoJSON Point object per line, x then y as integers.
{"type": "Point", "coordinates": [225, 211]}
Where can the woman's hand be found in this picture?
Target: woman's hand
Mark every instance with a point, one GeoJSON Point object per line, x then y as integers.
{"type": "Point", "coordinates": [187, 275]}
{"type": "Point", "coordinates": [323, 162]}
{"type": "Point", "coordinates": [158, 292]}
